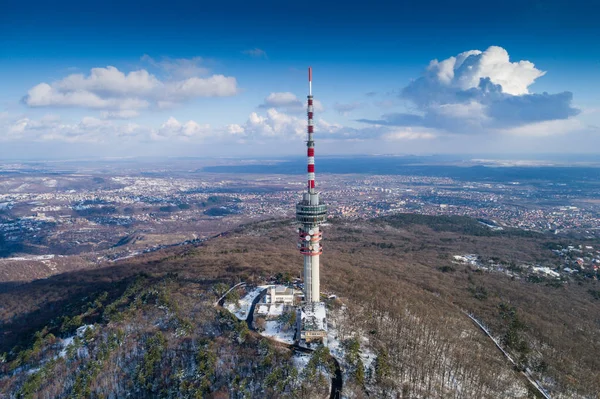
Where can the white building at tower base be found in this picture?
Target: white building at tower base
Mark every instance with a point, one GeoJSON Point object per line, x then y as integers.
{"type": "Point", "coordinates": [312, 320]}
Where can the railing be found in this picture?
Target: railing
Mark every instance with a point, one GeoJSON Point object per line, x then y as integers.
{"type": "Point", "coordinates": [311, 213]}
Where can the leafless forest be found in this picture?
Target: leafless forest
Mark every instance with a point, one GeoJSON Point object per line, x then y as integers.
{"type": "Point", "coordinates": [156, 332]}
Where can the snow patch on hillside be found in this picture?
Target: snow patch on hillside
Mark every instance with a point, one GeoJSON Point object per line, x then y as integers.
{"type": "Point", "coordinates": [274, 329]}
{"type": "Point", "coordinates": [300, 360]}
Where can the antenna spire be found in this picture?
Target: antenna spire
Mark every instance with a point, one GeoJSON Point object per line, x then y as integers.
{"type": "Point", "coordinates": [310, 143]}
{"type": "Point", "coordinates": [310, 81]}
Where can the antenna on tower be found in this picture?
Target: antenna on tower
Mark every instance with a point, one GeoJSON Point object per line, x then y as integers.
{"type": "Point", "coordinates": [310, 143]}
{"type": "Point", "coordinates": [310, 81]}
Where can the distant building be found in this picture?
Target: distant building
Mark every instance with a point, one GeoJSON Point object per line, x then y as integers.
{"type": "Point", "coordinates": [547, 271]}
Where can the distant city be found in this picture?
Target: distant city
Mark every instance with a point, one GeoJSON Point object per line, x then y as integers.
{"type": "Point", "coordinates": [108, 210]}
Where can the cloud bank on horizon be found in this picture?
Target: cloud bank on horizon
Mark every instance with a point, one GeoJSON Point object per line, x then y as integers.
{"type": "Point", "coordinates": [473, 93]}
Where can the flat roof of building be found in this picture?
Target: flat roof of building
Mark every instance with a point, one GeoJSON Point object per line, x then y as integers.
{"type": "Point", "coordinates": [314, 317]}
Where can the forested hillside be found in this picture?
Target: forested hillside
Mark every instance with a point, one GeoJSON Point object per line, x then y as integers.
{"type": "Point", "coordinates": [148, 326]}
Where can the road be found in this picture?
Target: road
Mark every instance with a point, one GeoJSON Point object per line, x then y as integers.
{"type": "Point", "coordinates": [221, 300]}
{"type": "Point", "coordinates": [525, 372]}
{"type": "Point", "coordinates": [336, 381]}
{"type": "Point", "coordinates": [250, 317]}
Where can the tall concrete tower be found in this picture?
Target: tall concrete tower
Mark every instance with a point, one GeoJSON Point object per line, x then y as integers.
{"type": "Point", "coordinates": [311, 212]}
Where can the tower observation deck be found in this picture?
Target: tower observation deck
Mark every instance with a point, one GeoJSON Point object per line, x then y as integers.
{"type": "Point", "coordinates": [311, 211]}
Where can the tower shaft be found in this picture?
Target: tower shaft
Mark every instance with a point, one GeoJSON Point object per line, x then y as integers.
{"type": "Point", "coordinates": [311, 212]}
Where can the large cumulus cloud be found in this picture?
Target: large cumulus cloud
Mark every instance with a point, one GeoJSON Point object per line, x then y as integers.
{"type": "Point", "coordinates": [478, 91]}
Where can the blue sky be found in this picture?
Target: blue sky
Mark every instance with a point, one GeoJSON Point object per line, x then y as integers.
{"type": "Point", "coordinates": [193, 78]}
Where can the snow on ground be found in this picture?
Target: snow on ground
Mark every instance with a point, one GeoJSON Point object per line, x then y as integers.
{"type": "Point", "coordinates": [38, 257]}
{"type": "Point", "coordinates": [245, 303]}
{"type": "Point", "coordinates": [273, 330]}
{"type": "Point", "coordinates": [366, 353]}
{"type": "Point", "coordinates": [81, 330]}
{"type": "Point", "coordinates": [337, 349]}
{"type": "Point", "coordinates": [276, 309]}
{"type": "Point", "coordinates": [65, 344]}
{"type": "Point", "coordinates": [300, 360]}
{"type": "Point", "coordinates": [131, 255]}
{"type": "Point", "coordinates": [263, 309]}
{"type": "Point", "coordinates": [333, 343]}
{"type": "Point", "coordinates": [314, 316]}
{"type": "Point", "coordinates": [271, 310]}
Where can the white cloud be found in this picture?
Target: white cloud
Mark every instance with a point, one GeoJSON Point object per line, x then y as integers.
{"type": "Point", "coordinates": [478, 92]}
{"type": "Point", "coordinates": [110, 89]}
{"type": "Point", "coordinates": [172, 128]}
{"type": "Point", "coordinates": [44, 95]}
{"type": "Point", "coordinates": [214, 86]}
{"type": "Point", "coordinates": [284, 99]}
{"type": "Point", "coordinates": [131, 130]}
{"type": "Point", "coordinates": [255, 52]}
{"type": "Point", "coordinates": [179, 68]}
{"type": "Point", "coordinates": [547, 128]}
{"type": "Point", "coordinates": [123, 114]}
{"type": "Point", "coordinates": [235, 129]}
{"type": "Point", "coordinates": [323, 126]}
{"type": "Point", "coordinates": [271, 126]}
{"type": "Point", "coordinates": [471, 110]}
{"type": "Point", "coordinates": [110, 81]}
{"type": "Point", "coordinates": [345, 109]}
{"type": "Point", "coordinates": [279, 125]}
{"type": "Point", "coordinates": [289, 102]}
{"type": "Point", "coordinates": [466, 69]}
{"type": "Point", "coordinates": [275, 123]}
{"type": "Point", "coordinates": [52, 128]}
{"type": "Point", "coordinates": [91, 122]}
{"type": "Point", "coordinates": [409, 134]}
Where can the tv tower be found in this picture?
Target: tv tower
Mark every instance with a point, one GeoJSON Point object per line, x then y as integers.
{"type": "Point", "coordinates": [311, 212]}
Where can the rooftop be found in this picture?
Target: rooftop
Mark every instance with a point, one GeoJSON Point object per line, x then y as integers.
{"type": "Point", "coordinates": [283, 290]}
{"type": "Point", "coordinates": [314, 317]}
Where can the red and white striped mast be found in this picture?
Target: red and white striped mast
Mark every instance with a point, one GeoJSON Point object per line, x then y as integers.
{"type": "Point", "coordinates": [310, 143]}
{"type": "Point", "coordinates": [311, 212]}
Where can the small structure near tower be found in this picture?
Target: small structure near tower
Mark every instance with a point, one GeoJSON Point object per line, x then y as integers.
{"type": "Point", "coordinates": [313, 323]}
{"type": "Point", "coordinates": [281, 294]}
